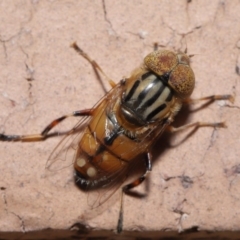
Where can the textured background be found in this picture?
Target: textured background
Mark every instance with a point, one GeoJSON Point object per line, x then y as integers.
{"type": "Point", "coordinates": [41, 78]}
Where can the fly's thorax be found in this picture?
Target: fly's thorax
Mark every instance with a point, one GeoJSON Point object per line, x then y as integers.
{"type": "Point", "coordinates": [147, 98]}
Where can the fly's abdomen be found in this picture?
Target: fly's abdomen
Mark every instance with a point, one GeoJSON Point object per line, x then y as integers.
{"type": "Point", "coordinates": [96, 162]}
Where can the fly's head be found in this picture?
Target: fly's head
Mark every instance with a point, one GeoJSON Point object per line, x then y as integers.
{"type": "Point", "coordinates": [175, 67]}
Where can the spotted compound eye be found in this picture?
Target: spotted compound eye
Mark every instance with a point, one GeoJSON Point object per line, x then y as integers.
{"type": "Point", "coordinates": [177, 66]}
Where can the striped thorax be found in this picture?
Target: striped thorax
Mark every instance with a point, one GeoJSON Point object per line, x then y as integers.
{"type": "Point", "coordinates": [155, 91]}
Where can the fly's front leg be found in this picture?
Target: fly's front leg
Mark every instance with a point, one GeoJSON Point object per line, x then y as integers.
{"type": "Point", "coordinates": [210, 99]}
{"type": "Point", "coordinates": [44, 134]}
{"type": "Point", "coordinates": [148, 162]}
{"type": "Point", "coordinates": [93, 63]}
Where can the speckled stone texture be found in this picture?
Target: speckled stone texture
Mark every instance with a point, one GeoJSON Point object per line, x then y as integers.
{"type": "Point", "coordinates": [193, 184]}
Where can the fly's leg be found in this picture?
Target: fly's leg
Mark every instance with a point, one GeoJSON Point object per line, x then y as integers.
{"type": "Point", "coordinates": [148, 162]}
{"type": "Point", "coordinates": [196, 125]}
{"type": "Point", "coordinates": [210, 99]}
{"type": "Point", "coordinates": [93, 63]}
{"type": "Point", "coordinates": [44, 134]}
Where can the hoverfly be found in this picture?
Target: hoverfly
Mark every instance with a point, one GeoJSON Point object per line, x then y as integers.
{"type": "Point", "coordinates": [124, 125]}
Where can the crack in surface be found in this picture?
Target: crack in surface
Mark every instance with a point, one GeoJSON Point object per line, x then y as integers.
{"type": "Point", "coordinates": [183, 215]}
{"type": "Point", "coordinates": [30, 73]}
{"type": "Point", "coordinates": [4, 198]}
{"type": "Point", "coordinates": [4, 41]}
{"type": "Point", "coordinates": [186, 181]}
{"type": "Point", "coordinates": [22, 225]}
{"type": "Point", "coordinates": [183, 35]}
{"type": "Point", "coordinates": [4, 48]}
{"type": "Point", "coordinates": [21, 221]}
{"type": "Point", "coordinates": [106, 17]}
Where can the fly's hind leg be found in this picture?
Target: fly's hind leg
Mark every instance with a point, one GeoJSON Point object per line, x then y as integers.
{"type": "Point", "coordinates": [44, 134]}
{"type": "Point", "coordinates": [126, 188]}
{"type": "Point", "coordinates": [197, 125]}
{"type": "Point", "coordinates": [93, 63]}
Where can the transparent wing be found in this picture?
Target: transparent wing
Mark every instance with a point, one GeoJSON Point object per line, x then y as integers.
{"type": "Point", "coordinates": [63, 154]}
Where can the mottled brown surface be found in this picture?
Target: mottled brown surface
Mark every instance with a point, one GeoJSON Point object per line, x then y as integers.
{"type": "Point", "coordinates": [41, 78]}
